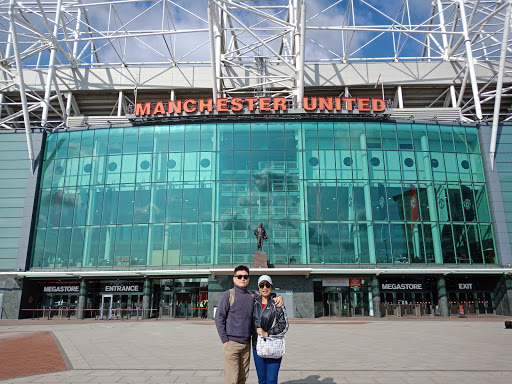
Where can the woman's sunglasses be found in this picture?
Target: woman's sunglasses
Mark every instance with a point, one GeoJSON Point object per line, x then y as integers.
{"type": "Point", "coordinates": [240, 277]}
{"type": "Point", "coordinates": [265, 285]}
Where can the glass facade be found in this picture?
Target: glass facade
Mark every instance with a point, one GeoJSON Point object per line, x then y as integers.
{"type": "Point", "coordinates": [327, 193]}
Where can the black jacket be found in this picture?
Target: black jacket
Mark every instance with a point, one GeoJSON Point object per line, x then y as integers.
{"type": "Point", "coordinates": [273, 319]}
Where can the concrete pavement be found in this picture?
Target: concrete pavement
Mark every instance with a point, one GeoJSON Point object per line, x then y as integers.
{"type": "Point", "coordinates": [323, 351]}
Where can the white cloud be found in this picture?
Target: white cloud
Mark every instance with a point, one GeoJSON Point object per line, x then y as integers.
{"type": "Point", "coordinates": [192, 14]}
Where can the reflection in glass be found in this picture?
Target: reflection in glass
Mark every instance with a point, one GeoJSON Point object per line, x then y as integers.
{"type": "Point", "coordinates": [447, 243]}
{"type": "Point", "coordinates": [328, 193]}
{"type": "Point", "coordinates": [399, 244]}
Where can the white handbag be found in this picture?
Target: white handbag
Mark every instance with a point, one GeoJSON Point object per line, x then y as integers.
{"type": "Point", "coordinates": [270, 348]}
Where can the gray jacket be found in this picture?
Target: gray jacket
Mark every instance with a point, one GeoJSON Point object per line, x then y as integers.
{"type": "Point", "coordinates": [234, 323]}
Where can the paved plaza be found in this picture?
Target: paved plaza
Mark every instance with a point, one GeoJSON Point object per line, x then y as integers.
{"type": "Point", "coordinates": [362, 350]}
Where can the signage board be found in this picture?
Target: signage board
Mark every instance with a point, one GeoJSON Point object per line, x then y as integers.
{"type": "Point", "coordinates": [121, 288]}
{"type": "Point", "coordinates": [277, 104]}
{"type": "Point", "coordinates": [61, 289]}
{"type": "Point", "coordinates": [465, 285]}
{"type": "Point", "coordinates": [403, 287]}
{"type": "Point", "coordinates": [339, 282]}
{"type": "Point", "coordinates": [355, 282]}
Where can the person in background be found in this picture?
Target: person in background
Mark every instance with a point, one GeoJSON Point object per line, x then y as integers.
{"type": "Point", "coordinates": [268, 321]}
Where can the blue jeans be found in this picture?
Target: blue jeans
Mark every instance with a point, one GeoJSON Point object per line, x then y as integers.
{"type": "Point", "coordinates": [267, 369]}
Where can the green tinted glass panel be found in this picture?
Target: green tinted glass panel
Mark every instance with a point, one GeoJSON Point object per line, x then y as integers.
{"type": "Point", "coordinates": [328, 193]}
{"type": "Point", "coordinates": [130, 140]}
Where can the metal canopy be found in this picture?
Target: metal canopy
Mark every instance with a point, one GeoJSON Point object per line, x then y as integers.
{"type": "Point", "coordinates": [259, 271]}
{"type": "Point", "coordinates": [249, 47]}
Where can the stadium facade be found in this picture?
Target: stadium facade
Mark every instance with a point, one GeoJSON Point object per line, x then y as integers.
{"type": "Point", "coordinates": [377, 157]}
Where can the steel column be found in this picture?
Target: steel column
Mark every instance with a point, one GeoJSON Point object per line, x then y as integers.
{"type": "Point", "coordinates": [21, 84]}
{"type": "Point", "coordinates": [499, 85]}
{"type": "Point", "coordinates": [302, 53]}
{"type": "Point", "coordinates": [51, 65]}
{"type": "Point", "coordinates": [469, 59]}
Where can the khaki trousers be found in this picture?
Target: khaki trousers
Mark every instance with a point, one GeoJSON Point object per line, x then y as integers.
{"type": "Point", "coordinates": [237, 358]}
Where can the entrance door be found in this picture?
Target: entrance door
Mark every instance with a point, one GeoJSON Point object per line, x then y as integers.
{"type": "Point", "coordinates": [389, 300]}
{"type": "Point", "coordinates": [183, 301]}
{"type": "Point", "coordinates": [468, 301]}
{"type": "Point", "coordinates": [106, 307]}
{"type": "Point", "coordinates": [489, 308]}
{"type": "Point", "coordinates": [136, 305]}
{"type": "Point", "coordinates": [336, 302]}
{"type": "Point", "coordinates": [360, 303]}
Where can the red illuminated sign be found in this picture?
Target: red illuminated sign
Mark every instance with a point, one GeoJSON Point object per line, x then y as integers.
{"type": "Point", "coordinates": [261, 104]}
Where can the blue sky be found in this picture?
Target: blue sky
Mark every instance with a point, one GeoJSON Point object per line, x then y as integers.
{"type": "Point", "coordinates": [179, 14]}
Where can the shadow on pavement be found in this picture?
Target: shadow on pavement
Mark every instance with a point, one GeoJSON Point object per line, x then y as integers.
{"type": "Point", "coordinates": [313, 379]}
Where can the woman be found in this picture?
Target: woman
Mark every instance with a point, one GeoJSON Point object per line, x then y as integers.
{"type": "Point", "coordinates": [273, 323]}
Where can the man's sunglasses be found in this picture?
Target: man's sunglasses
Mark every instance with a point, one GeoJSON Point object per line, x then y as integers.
{"type": "Point", "coordinates": [265, 285]}
{"type": "Point", "coordinates": [240, 277]}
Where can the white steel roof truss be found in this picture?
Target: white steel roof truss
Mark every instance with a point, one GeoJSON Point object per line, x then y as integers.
{"type": "Point", "coordinates": [55, 35]}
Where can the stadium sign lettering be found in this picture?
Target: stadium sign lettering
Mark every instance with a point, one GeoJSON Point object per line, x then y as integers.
{"type": "Point", "coordinates": [122, 288]}
{"type": "Point", "coordinates": [63, 288]}
{"type": "Point", "coordinates": [261, 104]}
{"type": "Point", "coordinates": [402, 286]}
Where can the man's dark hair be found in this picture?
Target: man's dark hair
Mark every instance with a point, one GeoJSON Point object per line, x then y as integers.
{"type": "Point", "coordinates": [242, 268]}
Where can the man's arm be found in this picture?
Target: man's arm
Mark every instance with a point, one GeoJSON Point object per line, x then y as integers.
{"type": "Point", "coordinates": [221, 316]}
{"type": "Point", "coordinates": [279, 301]}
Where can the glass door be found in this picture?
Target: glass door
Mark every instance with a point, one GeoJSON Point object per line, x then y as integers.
{"type": "Point", "coordinates": [424, 301]}
{"type": "Point", "coordinates": [166, 305]}
{"type": "Point", "coordinates": [334, 303]}
{"type": "Point", "coordinates": [467, 300]}
{"type": "Point", "coordinates": [480, 303]}
{"type": "Point", "coordinates": [135, 305]}
{"type": "Point", "coordinates": [360, 303]}
{"type": "Point", "coordinates": [182, 304]}
{"type": "Point", "coordinates": [106, 307]}
{"type": "Point", "coordinates": [453, 303]}
{"type": "Point", "coordinates": [389, 300]}
{"type": "Point", "coordinates": [489, 309]}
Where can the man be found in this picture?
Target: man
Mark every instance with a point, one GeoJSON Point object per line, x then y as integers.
{"type": "Point", "coordinates": [234, 326]}
{"type": "Point", "coordinates": [203, 305]}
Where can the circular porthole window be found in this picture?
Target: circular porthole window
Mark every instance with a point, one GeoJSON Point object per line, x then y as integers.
{"type": "Point", "coordinates": [171, 164]}
{"type": "Point", "coordinates": [144, 164]}
{"type": "Point", "coordinates": [465, 164]}
{"type": "Point", "coordinates": [409, 162]}
{"type": "Point", "coordinates": [347, 161]}
{"type": "Point", "coordinates": [375, 161]}
{"type": "Point", "coordinates": [434, 163]}
{"type": "Point", "coordinates": [313, 161]}
{"type": "Point", "coordinates": [112, 166]}
{"type": "Point", "coordinates": [59, 170]}
{"type": "Point", "coordinates": [87, 168]}
{"type": "Point", "coordinates": [205, 163]}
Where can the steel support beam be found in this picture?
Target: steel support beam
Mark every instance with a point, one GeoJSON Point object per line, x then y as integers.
{"type": "Point", "coordinates": [214, 52]}
{"type": "Point", "coordinates": [21, 83]}
{"type": "Point", "coordinates": [471, 64]}
{"type": "Point", "coordinates": [301, 25]}
{"type": "Point", "coordinates": [499, 85]}
{"type": "Point", "coordinates": [51, 65]}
